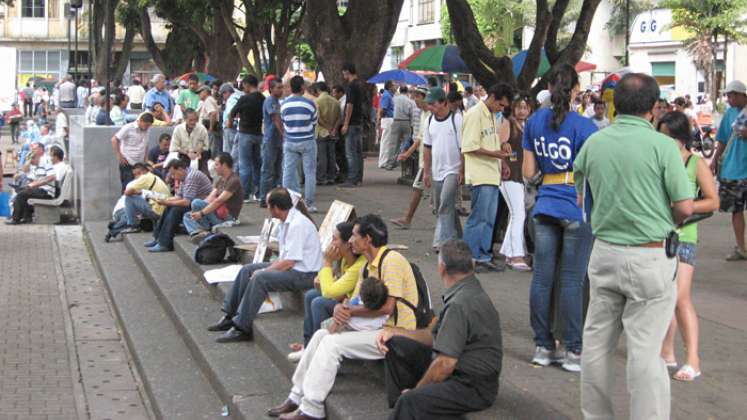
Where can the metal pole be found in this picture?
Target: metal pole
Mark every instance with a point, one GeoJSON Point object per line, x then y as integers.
{"type": "Point", "coordinates": [627, 32]}
{"type": "Point", "coordinates": [75, 52]}
{"type": "Point", "coordinates": [90, 41]}
{"type": "Point", "coordinates": [69, 47]}
{"type": "Point", "coordinates": [108, 52]}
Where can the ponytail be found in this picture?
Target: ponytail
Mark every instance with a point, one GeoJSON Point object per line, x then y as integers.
{"type": "Point", "coordinates": [563, 80]}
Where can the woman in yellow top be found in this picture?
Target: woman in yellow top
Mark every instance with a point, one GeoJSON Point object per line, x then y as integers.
{"type": "Point", "coordinates": [331, 286]}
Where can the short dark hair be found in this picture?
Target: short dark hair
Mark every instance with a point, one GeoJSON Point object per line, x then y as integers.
{"type": "Point", "coordinates": [678, 125]}
{"type": "Point", "coordinates": [296, 84]}
{"type": "Point", "coordinates": [403, 89]}
{"type": "Point", "coordinates": [345, 229]}
{"type": "Point", "coordinates": [454, 96]}
{"type": "Point", "coordinates": [147, 117]}
{"type": "Point", "coordinates": [135, 82]}
{"type": "Point", "coordinates": [338, 88]}
{"type": "Point", "coordinates": [193, 77]}
{"type": "Point", "coordinates": [225, 159]}
{"type": "Point", "coordinates": [456, 256]}
{"type": "Point", "coordinates": [164, 136]}
{"type": "Point", "coordinates": [189, 112]}
{"type": "Point", "coordinates": [280, 198]}
{"type": "Point", "coordinates": [388, 84]}
{"type": "Point", "coordinates": [322, 87]}
{"type": "Point", "coordinates": [636, 94]}
{"type": "Point", "coordinates": [469, 89]}
{"type": "Point", "coordinates": [373, 226]}
{"type": "Point", "coordinates": [57, 152]}
{"type": "Point", "coordinates": [599, 102]}
{"type": "Point", "coordinates": [349, 67]}
{"type": "Point", "coordinates": [249, 80]}
{"type": "Point", "coordinates": [680, 101]}
{"type": "Point", "coordinates": [432, 81]}
{"type": "Point", "coordinates": [176, 164]}
{"type": "Point", "coordinates": [499, 90]}
{"type": "Point", "coordinates": [373, 293]}
{"type": "Point", "coordinates": [118, 98]}
{"type": "Point", "coordinates": [140, 165]}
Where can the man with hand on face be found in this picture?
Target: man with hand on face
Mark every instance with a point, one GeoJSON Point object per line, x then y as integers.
{"type": "Point", "coordinates": [451, 367]}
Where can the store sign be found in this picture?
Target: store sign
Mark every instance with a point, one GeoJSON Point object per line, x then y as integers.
{"type": "Point", "coordinates": [654, 26]}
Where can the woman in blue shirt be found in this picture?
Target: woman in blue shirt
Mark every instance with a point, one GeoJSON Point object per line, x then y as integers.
{"type": "Point", "coordinates": [552, 139]}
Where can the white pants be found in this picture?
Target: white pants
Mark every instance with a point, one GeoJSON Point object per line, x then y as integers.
{"type": "Point", "coordinates": [513, 242]}
{"type": "Point", "coordinates": [317, 369]}
{"type": "Point", "coordinates": [386, 129]}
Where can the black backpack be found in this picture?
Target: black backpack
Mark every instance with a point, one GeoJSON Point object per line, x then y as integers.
{"type": "Point", "coordinates": [424, 310]}
{"type": "Point", "coordinates": [212, 250]}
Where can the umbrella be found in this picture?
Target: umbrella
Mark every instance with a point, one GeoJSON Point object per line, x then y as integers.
{"type": "Point", "coordinates": [397, 75]}
{"type": "Point", "coordinates": [203, 77]}
{"type": "Point", "coordinates": [519, 59]}
{"type": "Point", "coordinates": [583, 66]}
{"type": "Point", "coordinates": [440, 58]}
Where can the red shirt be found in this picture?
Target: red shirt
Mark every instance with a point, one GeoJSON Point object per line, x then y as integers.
{"type": "Point", "coordinates": [377, 101]}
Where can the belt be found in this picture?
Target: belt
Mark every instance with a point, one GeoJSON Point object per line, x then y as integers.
{"type": "Point", "coordinates": [655, 244]}
{"type": "Point", "coordinates": [401, 119]}
{"type": "Point", "coordinates": [561, 178]}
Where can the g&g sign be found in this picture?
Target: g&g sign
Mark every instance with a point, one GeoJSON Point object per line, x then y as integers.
{"type": "Point", "coordinates": [648, 25]}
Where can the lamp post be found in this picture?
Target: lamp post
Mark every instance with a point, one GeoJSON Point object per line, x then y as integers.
{"type": "Point", "coordinates": [90, 42]}
{"type": "Point", "coordinates": [627, 32]}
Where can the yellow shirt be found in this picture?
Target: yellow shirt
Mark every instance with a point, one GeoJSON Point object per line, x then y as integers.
{"type": "Point", "coordinates": [153, 183]}
{"type": "Point", "coordinates": [344, 285]}
{"type": "Point", "coordinates": [479, 131]}
{"type": "Point", "coordinates": [328, 109]}
{"type": "Point", "coordinates": [399, 279]}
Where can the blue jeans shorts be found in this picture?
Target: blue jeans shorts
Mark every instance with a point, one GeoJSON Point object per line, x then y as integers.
{"type": "Point", "coordinates": [687, 253]}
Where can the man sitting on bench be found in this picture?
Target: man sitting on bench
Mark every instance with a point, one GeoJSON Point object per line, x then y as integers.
{"type": "Point", "coordinates": [43, 183]}
{"type": "Point", "coordinates": [298, 262]}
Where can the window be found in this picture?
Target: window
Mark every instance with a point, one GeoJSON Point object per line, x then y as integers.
{"type": "Point", "coordinates": [396, 54]}
{"type": "Point", "coordinates": [32, 8]}
{"type": "Point", "coordinates": [426, 11]}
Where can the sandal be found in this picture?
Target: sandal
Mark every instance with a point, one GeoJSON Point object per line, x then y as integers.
{"type": "Point", "coordinates": [400, 224]}
{"type": "Point", "coordinates": [672, 364]}
{"type": "Point", "coordinates": [519, 266]}
{"type": "Point", "coordinates": [686, 374]}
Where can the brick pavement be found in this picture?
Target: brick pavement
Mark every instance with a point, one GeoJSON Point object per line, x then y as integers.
{"type": "Point", "coordinates": [36, 379]}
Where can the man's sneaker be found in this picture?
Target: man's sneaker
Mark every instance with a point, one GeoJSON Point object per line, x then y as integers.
{"type": "Point", "coordinates": [572, 362]}
{"type": "Point", "coordinates": [150, 243]}
{"type": "Point", "coordinates": [197, 237]}
{"type": "Point", "coordinates": [737, 255]}
{"type": "Point", "coordinates": [130, 229]}
{"type": "Point", "coordinates": [558, 356]}
{"type": "Point", "coordinates": [295, 356]}
{"type": "Point", "coordinates": [542, 356]}
{"type": "Point", "coordinates": [312, 209]}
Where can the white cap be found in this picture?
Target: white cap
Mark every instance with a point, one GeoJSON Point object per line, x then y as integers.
{"type": "Point", "coordinates": [735, 86]}
{"type": "Point", "coordinates": [543, 96]}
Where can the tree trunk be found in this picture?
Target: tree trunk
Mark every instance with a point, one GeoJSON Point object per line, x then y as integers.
{"type": "Point", "coordinates": [223, 61]}
{"type": "Point", "coordinates": [534, 53]}
{"type": "Point", "coordinates": [109, 25]}
{"type": "Point", "coordinates": [226, 12]}
{"type": "Point", "coordinates": [120, 65]}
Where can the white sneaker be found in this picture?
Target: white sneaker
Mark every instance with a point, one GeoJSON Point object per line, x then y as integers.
{"type": "Point", "coordinates": [542, 356]}
{"type": "Point", "coordinates": [572, 362]}
{"type": "Point", "coordinates": [312, 209]}
{"type": "Point", "coordinates": [295, 356]}
{"type": "Point", "coordinates": [558, 356]}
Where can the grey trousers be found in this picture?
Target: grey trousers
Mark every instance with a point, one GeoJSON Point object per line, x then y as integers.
{"type": "Point", "coordinates": [632, 292]}
{"type": "Point", "coordinates": [247, 294]}
{"type": "Point", "coordinates": [389, 148]}
{"type": "Point", "coordinates": [448, 225]}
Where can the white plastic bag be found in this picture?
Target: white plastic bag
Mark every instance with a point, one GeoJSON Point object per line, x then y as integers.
{"type": "Point", "coordinates": [271, 304]}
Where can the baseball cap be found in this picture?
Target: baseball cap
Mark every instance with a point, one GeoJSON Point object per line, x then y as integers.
{"type": "Point", "coordinates": [543, 95]}
{"type": "Point", "coordinates": [203, 88]}
{"type": "Point", "coordinates": [226, 87]}
{"type": "Point", "coordinates": [422, 90]}
{"type": "Point", "coordinates": [183, 83]}
{"type": "Point", "coordinates": [735, 86]}
{"type": "Point", "coordinates": [435, 94]}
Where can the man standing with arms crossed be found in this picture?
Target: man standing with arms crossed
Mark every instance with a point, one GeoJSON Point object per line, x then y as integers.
{"type": "Point", "coordinates": [636, 203]}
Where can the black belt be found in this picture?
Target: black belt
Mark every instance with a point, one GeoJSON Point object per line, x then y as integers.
{"type": "Point", "coordinates": [401, 120]}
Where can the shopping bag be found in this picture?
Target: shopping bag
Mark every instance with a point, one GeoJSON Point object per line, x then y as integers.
{"type": "Point", "coordinates": [4, 206]}
{"type": "Point", "coordinates": [271, 304]}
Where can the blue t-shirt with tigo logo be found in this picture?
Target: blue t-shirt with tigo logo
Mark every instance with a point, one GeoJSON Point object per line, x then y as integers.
{"type": "Point", "coordinates": [555, 152]}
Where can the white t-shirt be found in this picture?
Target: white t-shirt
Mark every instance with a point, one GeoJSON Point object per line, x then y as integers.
{"type": "Point", "coordinates": [60, 124]}
{"type": "Point", "coordinates": [444, 138]}
{"type": "Point", "coordinates": [136, 93]}
{"type": "Point", "coordinates": [299, 242]}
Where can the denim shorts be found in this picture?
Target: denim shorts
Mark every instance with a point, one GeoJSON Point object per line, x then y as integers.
{"type": "Point", "coordinates": [687, 253]}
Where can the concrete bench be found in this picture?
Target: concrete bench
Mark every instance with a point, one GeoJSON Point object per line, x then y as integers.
{"type": "Point", "coordinates": [57, 209]}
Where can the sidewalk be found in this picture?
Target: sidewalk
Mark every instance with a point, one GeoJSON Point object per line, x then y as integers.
{"type": "Point", "coordinates": [61, 354]}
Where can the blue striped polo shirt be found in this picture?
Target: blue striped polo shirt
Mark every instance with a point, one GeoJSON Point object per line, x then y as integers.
{"type": "Point", "coordinates": [299, 118]}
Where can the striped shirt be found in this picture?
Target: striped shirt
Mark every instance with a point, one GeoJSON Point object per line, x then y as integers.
{"type": "Point", "coordinates": [195, 185]}
{"type": "Point", "coordinates": [299, 118]}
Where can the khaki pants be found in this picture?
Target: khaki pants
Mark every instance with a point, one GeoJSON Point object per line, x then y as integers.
{"type": "Point", "coordinates": [632, 291]}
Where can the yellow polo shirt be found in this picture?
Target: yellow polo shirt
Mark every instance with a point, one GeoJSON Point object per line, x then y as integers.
{"type": "Point", "coordinates": [396, 273]}
{"type": "Point", "coordinates": [479, 131]}
{"type": "Point", "coordinates": [151, 182]}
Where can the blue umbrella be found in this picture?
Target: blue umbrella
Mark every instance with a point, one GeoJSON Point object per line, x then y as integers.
{"type": "Point", "coordinates": [397, 75]}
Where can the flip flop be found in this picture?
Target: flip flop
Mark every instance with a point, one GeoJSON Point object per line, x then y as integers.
{"type": "Point", "coordinates": [686, 374]}
{"type": "Point", "coordinates": [400, 224]}
{"type": "Point", "coordinates": [520, 266]}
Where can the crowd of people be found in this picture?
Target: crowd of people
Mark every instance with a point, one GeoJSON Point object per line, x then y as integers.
{"type": "Point", "coordinates": [603, 238]}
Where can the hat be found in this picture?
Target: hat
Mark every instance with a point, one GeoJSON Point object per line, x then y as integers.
{"type": "Point", "coordinates": [735, 86]}
{"type": "Point", "coordinates": [543, 96]}
{"type": "Point", "coordinates": [435, 94]}
{"type": "Point", "coordinates": [203, 88]}
{"type": "Point", "coordinates": [422, 90]}
{"type": "Point", "coordinates": [183, 83]}
{"type": "Point", "coordinates": [226, 87]}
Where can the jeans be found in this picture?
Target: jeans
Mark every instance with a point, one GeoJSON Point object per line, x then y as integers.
{"type": "Point", "coordinates": [562, 246]}
{"type": "Point", "coordinates": [247, 293]}
{"type": "Point", "coordinates": [22, 210]}
{"type": "Point", "coordinates": [481, 221]}
{"type": "Point", "coordinates": [230, 144]}
{"type": "Point", "coordinates": [125, 175]}
{"type": "Point", "coordinates": [406, 362]}
{"type": "Point", "coordinates": [136, 205]}
{"type": "Point", "coordinates": [354, 154]}
{"type": "Point", "coordinates": [326, 169]}
{"type": "Point", "coordinates": [206, 222]}
{"type": "Point", "coordinates": [250, 162]}
{"type": "Point", "coordinates": [272, 161]}
{"type": "Point", "coordinates": [316, 309]}
{"type": "Point", "coordinates": [292, 153]}
{"type": "Point", "coordinates": [444, 201]}
{"type": "Point", "coordinates": [168, 225]}
{"type": "Point", "coordinates": [216, 143]}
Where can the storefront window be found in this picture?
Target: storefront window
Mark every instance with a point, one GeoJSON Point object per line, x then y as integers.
{"type": "Point", "coordinates": [32, 8]}
{"type": "Point", "coordinates": [42, 66]}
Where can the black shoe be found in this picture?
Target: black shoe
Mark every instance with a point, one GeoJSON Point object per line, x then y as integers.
{"type": "Point", "coordinates": [224, 324]}
{"type": "Point", "coordinates": [287, 406]}
{"type": "Point", "coordinates": [485, 266]}
{"type": "Point", "coordinates": [234, 335]}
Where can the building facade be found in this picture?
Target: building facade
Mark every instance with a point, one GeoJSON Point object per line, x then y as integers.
{"type": "Point", "coordinates": [418, 27]}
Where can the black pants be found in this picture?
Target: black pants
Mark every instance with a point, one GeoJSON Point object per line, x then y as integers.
{"type": "Point", "coordinates": [341, 159]}
{"type": "Point", "coordinates": [14, 132]}
{"type": "Point", "coordinates": [167, 226]}
{"type": "Point", "coordinates": [28, 108]}
{"type": "Point", "coordinates": [22, 210]}
{"type": "Point", "coordinates": [406, 362]}
{"type": "Point", "coordinates": [125, 175]}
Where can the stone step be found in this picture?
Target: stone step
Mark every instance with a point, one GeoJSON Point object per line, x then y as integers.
{"type": "Point", "coordinates": [172, 378]}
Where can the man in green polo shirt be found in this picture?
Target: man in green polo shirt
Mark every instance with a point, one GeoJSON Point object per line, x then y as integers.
{"type": "Point", "coordinates": [190, 98]}
{"type": "Point", "coordinates": [636, 202]}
